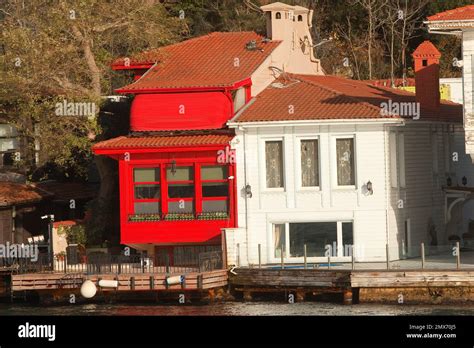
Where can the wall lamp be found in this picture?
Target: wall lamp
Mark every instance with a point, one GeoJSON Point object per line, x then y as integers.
{"type": "Point", "coordinates": [370, 188]}
{"type": "Point", "coordinates": [464, 180]}
{"type": "Point", "coordinates": [248, 191]}
{"type": "Point", "coordinates": [173, 167]}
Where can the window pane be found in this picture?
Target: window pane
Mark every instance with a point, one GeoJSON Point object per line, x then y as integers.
{"type": "Point", "coordinates": [315, 235]}
{"type": "Point", "coordinates": [146, 174]}
{"type": "Point", "coordinates": [215, 189]}
{"type": "Point", "coordinates": [180, 190]}
{"type": "Point", "coordinates": [214, 173]}
{"type": "Point", "coordinates": [147, 191]}
{"type": "Point", "coordinates": [180, 174]}
{"type": "Point", "coordinates": [345, 162]}
{"type": "Point", "coordinates": [274, 163]}
{"type": "Point", "coordinates": [147, 208]}
{"type": "Point", "coordinates": [181, 207]}
{"type": "Point", "coordinates": [347, 238]}
{"type": "Point", "coordinates": [279, 240]}
{"type": "Point", "coordinates": [214, 206]}
{"type": "Point", "coordinates": [309, 163]}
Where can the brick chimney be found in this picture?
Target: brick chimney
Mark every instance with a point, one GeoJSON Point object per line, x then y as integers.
{"type": "Point", "coordinates": [426, 58]}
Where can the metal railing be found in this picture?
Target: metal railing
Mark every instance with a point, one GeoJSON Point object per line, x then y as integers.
{"type": "Point", "coordinates": [102, 263]}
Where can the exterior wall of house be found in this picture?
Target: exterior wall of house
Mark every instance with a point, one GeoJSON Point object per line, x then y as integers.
{"type": "Point", "coordinates": [468, 77]}
{"type": "Point", "coordinates": [377, 217]}
{"type": "Point", "coordinates": [296, 204]}
{"type": "Point", "coordinates": [142, 234]}
{"type": "Point", "coordinates": [420, 203]}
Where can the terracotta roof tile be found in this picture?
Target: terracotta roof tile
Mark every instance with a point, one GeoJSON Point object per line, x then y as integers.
{"type": "Point", "coordinates": [330, 97]}
{"type": "Point", "coordinates": [457, 14]}
{"type": "Point", "coordinates": [15, 193]}
{"type": "Point", "coordinates": [214, 60]}
{"type": "Point", "coordinates": [426, 50]}
{"type": "Point", "coordinates": [124, 142]}
{"type": "Point", "coordinates": [65, 191]}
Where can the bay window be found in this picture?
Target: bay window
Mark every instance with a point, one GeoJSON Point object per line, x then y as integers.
{"type": "Point", "coordinates": [192, 191]}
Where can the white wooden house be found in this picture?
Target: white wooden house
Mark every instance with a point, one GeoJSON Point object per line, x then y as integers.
{"type": "Point", "coordinates": [323, 160]}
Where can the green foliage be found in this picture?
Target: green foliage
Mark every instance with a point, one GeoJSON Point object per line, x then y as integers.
{"type": "Point", "coordinates": [75, 234]}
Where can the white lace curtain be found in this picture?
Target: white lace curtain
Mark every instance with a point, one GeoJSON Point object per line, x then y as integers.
{"type": "Point", "coordinates": [309, 163]}
{"type": "Point", "coordinates": [345, 162]}
{"type": "Point", "coordinates": [274, 163]}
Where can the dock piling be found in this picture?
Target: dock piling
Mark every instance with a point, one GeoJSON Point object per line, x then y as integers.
{"type": "Point", "coordinates": [238, 254]}
{"type": "Point", "coordinates": [352, 258]}
{"type": "Point", "coordinates": [458, 256]}
{"type": "Point", "coordinates": [422, 255]}
{"type": "Point", "coordinates": [305, 257]}
{"type": "Point", "coordinates": [329, 261]}
{"type": "Point", "coordinates": [259, 256]}
{"type": "Point", "coordinates": [282, 259]}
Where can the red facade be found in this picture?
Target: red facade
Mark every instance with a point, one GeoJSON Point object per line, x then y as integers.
{"type": "Point", "coordinates": [171, 111]}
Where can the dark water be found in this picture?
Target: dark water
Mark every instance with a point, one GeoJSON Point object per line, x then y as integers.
{"type": "Point", "coordinates": [237, 308]}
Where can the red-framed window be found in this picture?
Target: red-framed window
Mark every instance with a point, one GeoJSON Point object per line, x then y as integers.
{"type": "Point", "coordinates": [185, 188]}
{"type": "Point", "coordinates": [214, 188]}
{"type": "Point", "coordinates": [146, 190]}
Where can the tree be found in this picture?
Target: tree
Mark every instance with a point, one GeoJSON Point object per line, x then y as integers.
{"type": "Point", "coordinates": [60, 51]}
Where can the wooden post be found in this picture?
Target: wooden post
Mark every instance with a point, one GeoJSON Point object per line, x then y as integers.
{"type": "Point", "coordinates": [352, 257]}
{"type": "Point", "coordinates": [282, 258]}
{"type": "Point", "coordinates": [224, 249]}
{"type": "Point", "coordinates": [422, 255]}
{"type": "Point", "coordinates": [238, 254]}
{"type": "Point", "coordinates": [259, 256]}
{"type": "Point", "coordinates": [305, 257]}
{"type": "Point", "coordinates": [387, 255]}
{"type": "Point", "coordinates": [347, 296]}
{"type": "Point", "coordinates": [458, 256]}
{"type": "Point", "coordinates": [329, 261]}
{"type": "Point", "coordinates": [300, 295]}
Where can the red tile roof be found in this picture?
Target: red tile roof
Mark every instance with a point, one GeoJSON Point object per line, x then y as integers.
{"type": "Point", "coordinates": [214, 60]}
{"type": "Point", "coordinates": [135, 142]}
{"type": "Point", "coordinates": [330, 97]}
{"type": "Point", "coordinates": [409, 82]}
{"type": "Point", "coordinates": [426, 50]}
{"type": "Point", "coordinates": [65, 191]}
{"type": "Point", "coordinates": [457, 14]}
{"type": "Point", "coordinates": [15, 193]}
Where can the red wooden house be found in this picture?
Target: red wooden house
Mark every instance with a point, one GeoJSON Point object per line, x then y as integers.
{"type": "Point", "coordinates": [176, 167]}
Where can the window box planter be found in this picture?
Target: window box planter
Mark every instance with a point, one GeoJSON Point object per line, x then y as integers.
{"type": "Point", "coordinates": [179, 217]}
{"type": "Point", "coordinates": [144, 218]}
{"type": "Point", "coordinates": [218, 215]}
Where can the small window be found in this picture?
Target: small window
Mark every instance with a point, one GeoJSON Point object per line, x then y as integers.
{"type": "Point", "coordinates": [146, 174]}
{"type": "Point", "coordinates": [309, 163]}
{"type": "Point", "coordinates": [147, 207]}
{"type": "Point", "coordinates": [345, 162]}
{"type": "Point", "coordinates": [425, 62]}
{"type": "Point", "coordinates": [278, 15]}
{"type": "Point", "coordinates": [274, 163]}
{"type": "Point", "coordinates": [215, 189]}
{"type": "Point", "coordinates": [300, 18]}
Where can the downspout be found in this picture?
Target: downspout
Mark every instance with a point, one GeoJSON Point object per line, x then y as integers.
{"type": "Point", "coordinates": [246, 196]}
{"type": "Point", "coordinates": [387, 189]}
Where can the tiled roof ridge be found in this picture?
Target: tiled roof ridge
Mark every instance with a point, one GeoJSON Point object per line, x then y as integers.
{"type": "Point", "coordinates": [156, 50]}
{"type": "Point", "coordinates": [335, 92]}
{"type": "Point", "coordinates": [177, 133]}
{"type": "Point", "coordinates": [449, 12]}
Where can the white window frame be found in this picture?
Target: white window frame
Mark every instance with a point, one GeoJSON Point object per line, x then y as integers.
{"type": "Point", "coordinates": [297, 152]}
{"type": "Point", "coordinates": [334, 138]}
{"type": "Point", "coordinates": [263, 165]}
{"type": "Point", "coordinates": [313, 259]}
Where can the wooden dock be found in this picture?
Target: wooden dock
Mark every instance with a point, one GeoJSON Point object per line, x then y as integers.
{"type": "Point", "coordinates": [364, 285]}
{"type": "Point", "coordinates": [126, 282]}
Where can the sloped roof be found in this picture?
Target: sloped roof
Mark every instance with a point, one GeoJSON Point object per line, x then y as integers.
{"type": "Point", "coordinates": [426, 50]}
{"type": "Point", "coordinates": [156, 141]}
{"type": "Point", "coordinates": [329, 97]}
{"type": "Point", "coordinates": [457, 14]}
{"type": "Point", "coordinates": [214, 60]}
{"type": "Point", "coordinates": [14, 193]}
{"type": "Point", "coordinates": [65, 191]}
